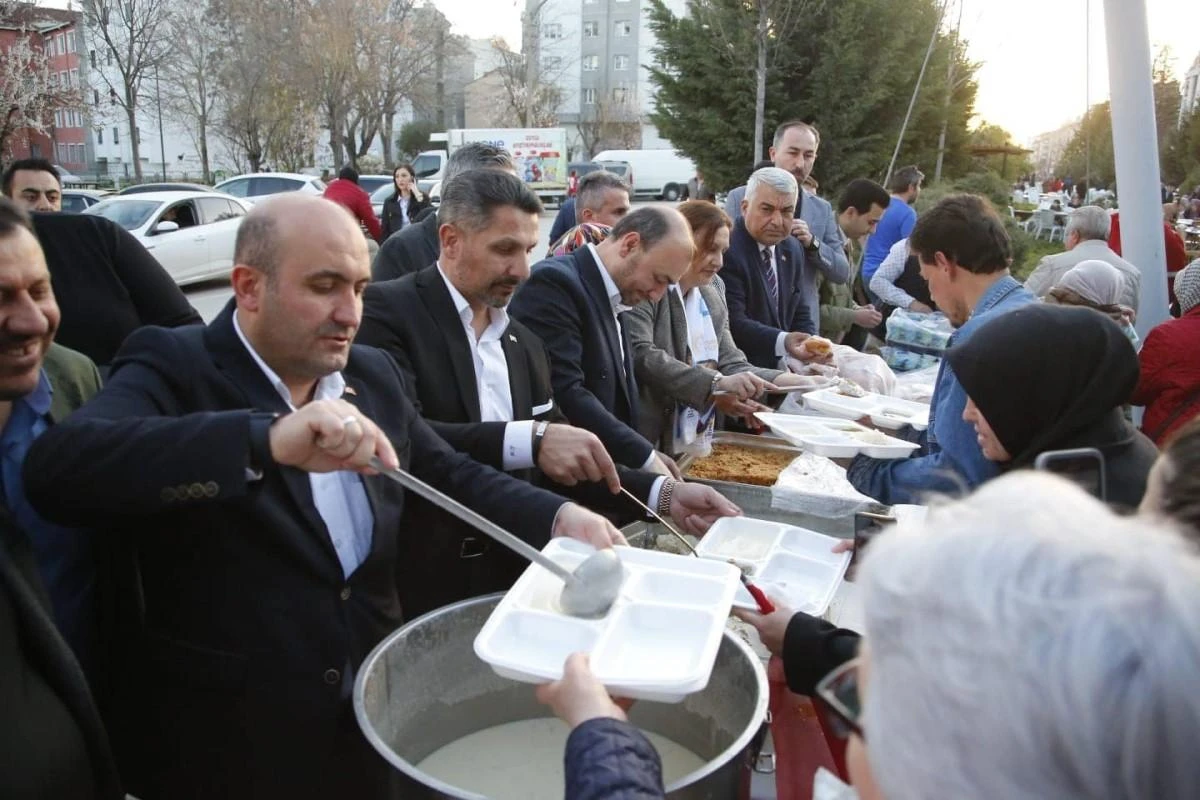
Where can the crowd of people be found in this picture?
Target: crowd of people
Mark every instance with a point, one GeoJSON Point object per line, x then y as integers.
{"type": "Point", "coordinates": [199, 550]}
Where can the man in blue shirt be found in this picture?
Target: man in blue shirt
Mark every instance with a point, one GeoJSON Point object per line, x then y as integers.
{"type": "Point", "coordinates": [964, 254]}
{"type": "Point", "coordinates": [41, 383]}
{"type": "Point", "coordinates": [897, 221]}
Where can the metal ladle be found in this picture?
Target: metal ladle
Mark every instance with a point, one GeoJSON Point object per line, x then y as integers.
{"type": "Point", "coordinates": [589, 591]}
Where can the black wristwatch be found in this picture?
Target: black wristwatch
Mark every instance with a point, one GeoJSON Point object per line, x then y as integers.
{"type": "Point", "coordinates": [815, 246]}
{"type": "Point", "coordinates": [539, 432]}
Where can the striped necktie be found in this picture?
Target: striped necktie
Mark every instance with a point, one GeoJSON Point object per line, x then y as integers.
{"type": "Point", "coordinates": [769, 277]}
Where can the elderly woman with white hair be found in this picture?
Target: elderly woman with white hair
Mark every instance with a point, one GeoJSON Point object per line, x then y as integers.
{"type": "Point", "coordinates": [1024, 642]}
{"type": "Point", "coordinates": [1099, 285]}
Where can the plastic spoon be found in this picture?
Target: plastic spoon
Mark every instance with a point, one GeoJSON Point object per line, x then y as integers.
{"type": "Point", "coordinates": [589, 591]}
{"type": "Point", "coordinates": [765, 606]}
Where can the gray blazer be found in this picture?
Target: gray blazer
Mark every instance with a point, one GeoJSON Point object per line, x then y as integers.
{"type": "Point", "coordinates": [662, 360]}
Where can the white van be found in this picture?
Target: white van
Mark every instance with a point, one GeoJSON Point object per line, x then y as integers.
{"type": "Point", "coordinates": [661, 174]}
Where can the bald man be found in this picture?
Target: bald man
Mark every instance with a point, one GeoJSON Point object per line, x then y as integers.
{"type": "Point", "coordinates": [234, 459]}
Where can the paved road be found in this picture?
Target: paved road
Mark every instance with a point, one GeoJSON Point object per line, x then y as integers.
{"type": "Point", "coordinates": [209, 298]}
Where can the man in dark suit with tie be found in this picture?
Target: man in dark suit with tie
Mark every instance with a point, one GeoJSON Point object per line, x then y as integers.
{"type": "Point", "coordinates": [484, 379]}
{"type": "Point", "coordinates": [235, 458]}
{"type": "Point", "coordinates": [765, 274]}
{"type": "Point", "coordinates": [573, 304]}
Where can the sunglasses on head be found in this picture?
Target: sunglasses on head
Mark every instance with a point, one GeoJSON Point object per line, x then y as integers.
{"type": "Point", "coordinates": [838, 693]}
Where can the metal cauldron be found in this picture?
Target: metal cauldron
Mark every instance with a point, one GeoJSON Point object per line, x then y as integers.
{"type": "Point", "coordinates": [423, 687]}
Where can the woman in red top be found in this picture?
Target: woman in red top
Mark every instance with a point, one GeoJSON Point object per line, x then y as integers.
{"type": "Point", "coordinates": [1169, 386]}
{"type": "Point", "coordinates": [1172, 241]}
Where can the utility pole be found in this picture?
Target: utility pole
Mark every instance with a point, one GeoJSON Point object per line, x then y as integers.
{"type": "Point", "coordinates": [162, 148]}
{"type": "Point", "coordinates": [950, 87]}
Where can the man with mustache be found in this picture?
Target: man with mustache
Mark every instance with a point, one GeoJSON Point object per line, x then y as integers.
{"type": "Point", "coordinates": [814, 225]}
{"type": "Point", "coordinates": [54, 744]}
{"type": "Point", "coordinates": [574, 302]}
{"type": "Point", "coordinates": [236, 458]}
{"type": "Point", "coordinates": [767, 275]}
{"type": "Point", "coordinates": [484, 378]}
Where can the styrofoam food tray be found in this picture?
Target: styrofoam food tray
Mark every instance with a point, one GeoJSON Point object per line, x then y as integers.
{"type": "Point", "coordinates": [891, 413]}
{"type": "Point", "coordinates": [793, 564]}
{"type": "Point", "coordinates": [658, 641]}
{"type": "Point", "coordinates": [832, 437]}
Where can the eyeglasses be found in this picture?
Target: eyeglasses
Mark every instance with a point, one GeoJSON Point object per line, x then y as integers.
{"type": "Point", "coordinates": [838, 693]}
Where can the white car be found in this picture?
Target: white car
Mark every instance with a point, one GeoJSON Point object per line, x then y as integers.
{"type": "Point", "coordinates": [190, 233]}
{"type": "Point", "coordinates": [253, 185]}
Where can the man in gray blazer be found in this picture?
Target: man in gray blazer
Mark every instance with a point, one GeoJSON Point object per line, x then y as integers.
{"type": "Point", "coordinates": [795, 150]}
{"type": "Point", "coordinates": [1087, 238]}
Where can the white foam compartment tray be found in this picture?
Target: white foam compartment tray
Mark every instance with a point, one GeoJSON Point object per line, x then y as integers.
{"type": "Point", "coordinates": [890, 413]}
{"type": "Point", "coordinates": [832, 437]}
{"type": "Point", "coordinates": [658, 642]}
{"type": "Point", "coordinates": [793, 564]}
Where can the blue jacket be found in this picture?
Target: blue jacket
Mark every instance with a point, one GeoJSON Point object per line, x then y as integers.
{"type": "Point", "coordinates": [754, 323]}
{"type": "Point", "coordinates": [565, 304]}
{"type": "Point", "coordinates": [607, 759]}
{"type": "Point", "coordinates": [950, 459]}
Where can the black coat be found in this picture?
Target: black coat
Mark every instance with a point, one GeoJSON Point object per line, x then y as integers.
{"type": "Point", "coordinates": [107, 285]}
{"type": "Point", "coordinates": [392, 218]}
{"type": "Point", "coordinates": [608, 759]}
{"type": "Point", "coordinates": [240, 674]}
{"type": "Point", "coordinates": [754, 320]}
{"type": "Point", "coordinates": [414, 319]}
{"type": "Point", "coordinates": [53, 743]}
{"type": "Point", "coordinates": [411, 250]}
{"type": "Point", "coordinates": [565, 303]}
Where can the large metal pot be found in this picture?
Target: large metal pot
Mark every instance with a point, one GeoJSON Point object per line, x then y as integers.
{"type": "Point", "coordinates": [423, 687]}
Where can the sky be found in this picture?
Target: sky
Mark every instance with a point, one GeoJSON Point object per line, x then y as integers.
{"type": "Point", "coordinates": [1033, 76]}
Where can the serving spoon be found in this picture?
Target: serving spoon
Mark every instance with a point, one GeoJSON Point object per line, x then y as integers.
{"type": "Point", "coordinates": [587, 592]}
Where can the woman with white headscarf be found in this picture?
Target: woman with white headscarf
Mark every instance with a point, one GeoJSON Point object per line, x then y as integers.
{"type": "Point", "coordinates": [1095, 284]}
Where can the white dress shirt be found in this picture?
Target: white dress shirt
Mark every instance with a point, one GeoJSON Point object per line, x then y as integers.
{"type": "Point", "coordinates": [491, 379]}
{"type": "Point", "coordinates": [883, 282]}
{"type": "Point", "coordinates": [340, 497]}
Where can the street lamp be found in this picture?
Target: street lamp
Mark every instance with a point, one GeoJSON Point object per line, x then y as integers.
{"type": "Point", "coordinates": [162, 148]}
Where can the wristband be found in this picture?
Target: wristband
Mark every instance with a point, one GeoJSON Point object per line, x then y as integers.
{"type": "Point", "coordinates": [664, 497]}
{"type": "Point", "coordinates": [538, 434]}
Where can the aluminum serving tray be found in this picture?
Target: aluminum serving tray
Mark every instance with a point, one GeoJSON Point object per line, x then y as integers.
{"type": "Point", "coordinates": [765, 441]}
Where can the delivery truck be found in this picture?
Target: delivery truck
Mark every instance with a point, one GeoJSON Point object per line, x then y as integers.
{"type": "Point", "coordinates": [540, 156]}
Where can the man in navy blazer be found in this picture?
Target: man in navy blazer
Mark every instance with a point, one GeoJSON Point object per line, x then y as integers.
{"type": "Point", "coordinates": [573, 302]}
{"type": "Point", "coordinates": [235, 459]}
{"type": "Point", "coordinates": [766, 274]}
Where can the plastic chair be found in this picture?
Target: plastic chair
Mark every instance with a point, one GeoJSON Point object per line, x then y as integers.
{"type": "Point", "coordinates": [1044, 220]}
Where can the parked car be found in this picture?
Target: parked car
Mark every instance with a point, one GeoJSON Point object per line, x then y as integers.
{"type": "Point", "coordinates": [65, 177]}
{"type": "Point", "coordinates": [621, 169]}
{"type": "Point", "coordinates": [581, 168]}
{"type": "Point", "coordinates": [75, 201]}
{"type": "Point", "coordinates": [190, 233]}
{"type": "Point", "coordinates": [142, 188]}
{"type": "Point", "coordinates": [369, 183]}
{"type": "Point", "coordinates": [381, 194]}
{"type": "Point", "coordinates": [260, 184]}
{"type": "Point", "coordinates": [661, 174]}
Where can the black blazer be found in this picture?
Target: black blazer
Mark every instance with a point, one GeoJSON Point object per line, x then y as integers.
{"type": "Point", "coordinates": [564, 302]}
{"type": "Point", "coordinates": [53, 742]}
{"type": "Point", "coordinates": [414, 319]}
{"type": "Point", "coordinates": [754, 321]}
{"type": "Point", "coordinates": [106, 284]}
{"type": "Point", "coordinates": [240, 676]}
{"type": "Point", "coordinates": [392, 218]}
{"type": "Point", "coordinates": [413, 249]}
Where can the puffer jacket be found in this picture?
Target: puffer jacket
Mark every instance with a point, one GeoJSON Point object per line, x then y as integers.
{"type": "Point", "coordinates": [1170, 374]}
{"type": "Point", "coordinates": [608, 759]}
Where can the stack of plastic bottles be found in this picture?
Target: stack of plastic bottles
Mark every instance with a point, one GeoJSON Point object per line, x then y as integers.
{"type": "Point", "coordinates": [915, 341]}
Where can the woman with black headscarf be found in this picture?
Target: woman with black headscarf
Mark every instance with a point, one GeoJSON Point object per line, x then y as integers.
{"type": "Point", "coordinates": [1043, 378]}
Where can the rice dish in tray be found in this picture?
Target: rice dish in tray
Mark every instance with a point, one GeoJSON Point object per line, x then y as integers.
{"type": "Point", "coordinates": [737, 464]}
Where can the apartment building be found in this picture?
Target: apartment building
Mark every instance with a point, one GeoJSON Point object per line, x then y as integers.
{"type": "Point", "coordinates": [1190, 88]}
{"type": "Point", "coordinates": [596, 52]}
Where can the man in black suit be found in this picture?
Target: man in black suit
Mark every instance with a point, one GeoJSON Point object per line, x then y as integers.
{"type": "Point", "coordinates": [765, 274]}
{"type": "Point", "coordinates": [236, 458]}
{"type": "Point", "coordinates": [475, 370]}
{"type": "Point", "coordinates": [573, 303]}
{"type": "Point", "coordinates": [414, 247]}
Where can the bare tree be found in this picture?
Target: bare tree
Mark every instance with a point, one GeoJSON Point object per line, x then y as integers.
{"type": "Point", "coordinates": [135, 33]}
{"type": "Point", "coordinates": [610, 123]}
{"type": "Point", "coordinates": [523, 101]}
{"type": "Point", "coordinates": [28, 89]}
{"type": "Point", "coordinates": [190, 76]}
